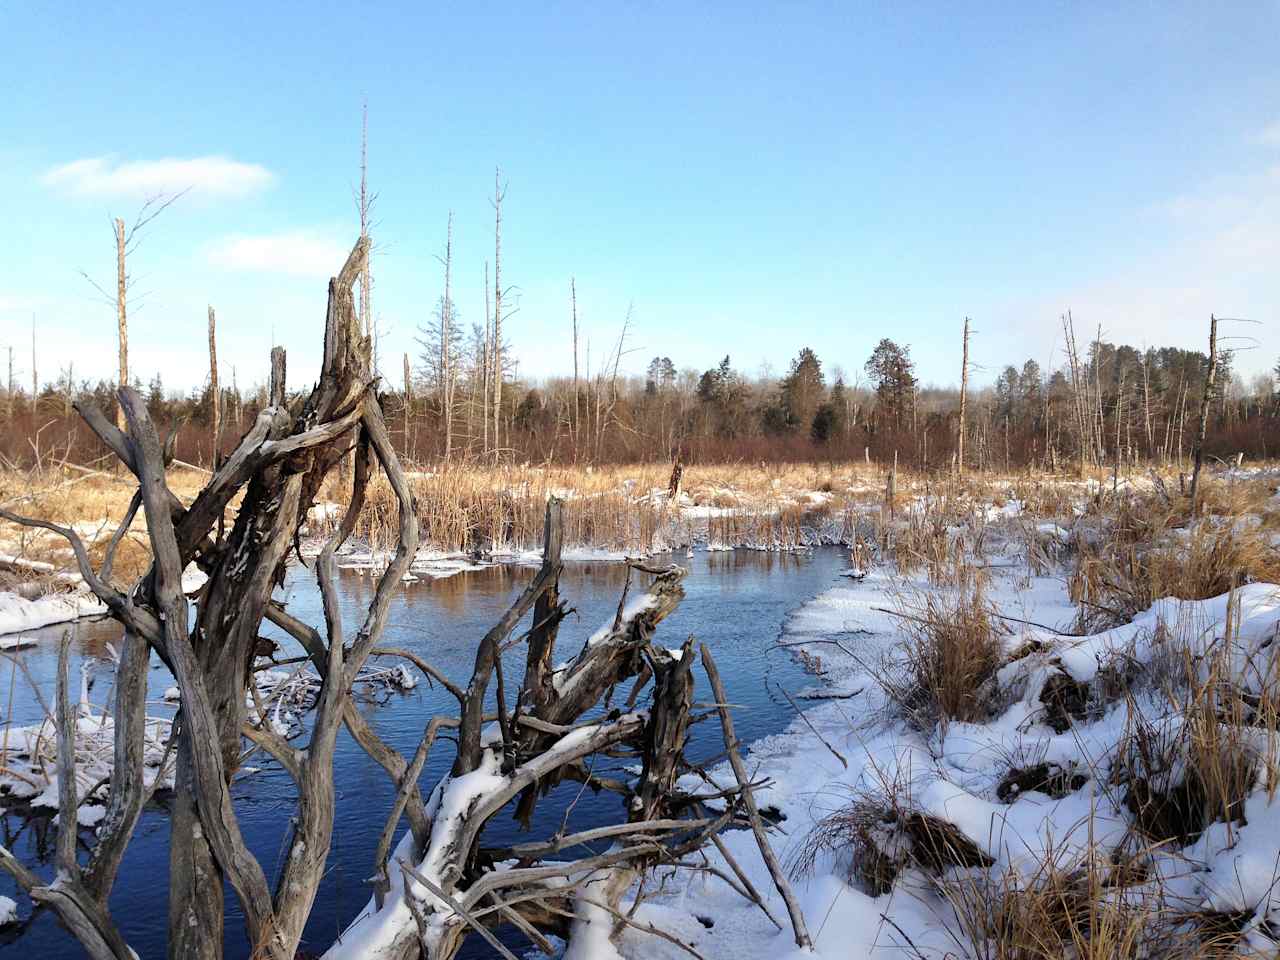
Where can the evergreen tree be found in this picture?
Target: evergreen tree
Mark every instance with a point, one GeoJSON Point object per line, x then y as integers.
{"type": "Point", "coordinates": [893, 373]}
{"type": "Point", "coordinates": [802, 389]}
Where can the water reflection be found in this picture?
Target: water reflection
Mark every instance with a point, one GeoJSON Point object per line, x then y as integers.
{"type": "Point", "coordinates": [735, 602]}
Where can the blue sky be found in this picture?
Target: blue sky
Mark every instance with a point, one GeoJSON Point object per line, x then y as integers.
{"type": "Point", "coordinates": [751, 178]}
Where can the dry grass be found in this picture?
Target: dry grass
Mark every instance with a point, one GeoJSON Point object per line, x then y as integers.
{"type": "Point", "coordinates": [1141, 555]}
{"type": "Point", "coordinates": [879, 833]}
{"type": "Point", "coordinates": [1206, 742]}
{"type": "Point", "coordinates": [1081, 905]}
{"type": "Point", "coordinates": [951, 647]}
{"type": "Point", "coordinates": [468, 507]}
{"type": "Point", "coordinates": [93, 504]}
{"type": "Point", "coordinates": [1198, 764]}
{"type": "Point", "coordinates": [476, 507]}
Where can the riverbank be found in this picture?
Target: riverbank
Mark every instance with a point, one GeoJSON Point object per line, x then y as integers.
{"type": "Point", "coordinates": [1020, 752]}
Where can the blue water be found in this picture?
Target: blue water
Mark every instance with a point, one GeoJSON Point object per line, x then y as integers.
{"type": "Point", "coordinates": [735, 602]}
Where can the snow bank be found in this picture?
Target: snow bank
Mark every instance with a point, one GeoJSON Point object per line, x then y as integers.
{"type": "Point", "coordinates": [954, 775]}
{"type": "Point", "coordinates": [18, 613]}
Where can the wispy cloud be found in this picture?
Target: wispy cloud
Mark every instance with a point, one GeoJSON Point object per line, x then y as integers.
{"type": "Point", "coordinates": [1269, 135]}
{"type": "Point", "coordinates": [302, 253]}
{"type": "Point", "coordinates": [1209, 250]}
{"type": "Point", "coordinates": [208, 176]}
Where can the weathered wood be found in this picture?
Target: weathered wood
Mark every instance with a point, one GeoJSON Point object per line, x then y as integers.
{"type": "Point", "coordinates": [128, 784]}
{"type": "Point", "coordinates": [779, 876]}
{"type": "Point", "coordinates": [216, 395]}
{"type": "Point", "coordinates": [536, 691]}
{"type": "Point", "coordinates": [1202, 425]}
{"type": "Point", "coordinates": [122, 328]}
{"type": "Point", "coordinates": [964, 393]}
{"type": "Point", "coordinates": [276, 470]}
{"type": "Point", "coordinates": [664, 737]}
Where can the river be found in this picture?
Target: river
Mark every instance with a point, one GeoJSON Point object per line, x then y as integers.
{"type": "Point", "coordinates": [736, 602]}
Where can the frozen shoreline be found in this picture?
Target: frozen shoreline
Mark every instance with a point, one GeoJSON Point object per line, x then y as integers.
{"type": "Point", "coordinates": [954, 776]}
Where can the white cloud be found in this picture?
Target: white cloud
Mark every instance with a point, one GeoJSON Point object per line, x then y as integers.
{"type": "Point", "coordinates": [302, 253]}
{"type": "Point", "coordinates": [1210, 250]}
{"type": "Point", "coordinates": [210, 176]}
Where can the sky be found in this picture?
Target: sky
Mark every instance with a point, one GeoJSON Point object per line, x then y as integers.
{"type": "Point", "coordinates": [743, 179]}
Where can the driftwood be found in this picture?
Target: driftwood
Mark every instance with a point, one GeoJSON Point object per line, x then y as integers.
{"type": "Point", "coordinates": [439, 883]}
{"type": "Point", "coordinates": [757, 826]}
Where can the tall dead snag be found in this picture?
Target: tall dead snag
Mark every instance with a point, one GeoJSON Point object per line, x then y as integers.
{"type": "Point", "coordinates": [121, 321]}
{"type": "Point", "coordinates": [1082, 405]}
{"type": "Point", "coordinates": [964, 392]}
{"type": "Point", "coordinates": [215, 393]}
{"type": "Point", "coordinates": [35, 379]}
{"type": "Point", "coordinates": [366, 215]}
{"type": "Point", "coordinates": [408, 401]}
{"type": "Point", "coordinates": [499, 192]}
{"type": "Point", "coordinates": [573, 310]}
{"type": "Point", "coordinates": [1205, 401]}
{"type": "Point", "coordinates": [446, 342]}
{"type": "Point", "coordinates": [487, 364]}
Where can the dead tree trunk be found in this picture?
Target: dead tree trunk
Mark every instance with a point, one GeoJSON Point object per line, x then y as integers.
{"type": "Point", "coordinates": [408, 399]}
{"type": "Point", "coordinates": [486, 365]}
{"type": "Point", "coordinates": [446, 344]}
{"type": "Point", "coordinates": [964, 392]}
{"type": "Point", "coordinates": [121, 321]}
{"type": "Point", "coordinates": [35, 379]}
{"type": "Point", "coordinates": [498, 193]}
{"type": "Point", "coordinates": [278, 466]}
{"type": "Point", "coordinates": [215, 392]}
{"type": "Point", "coordinates": [1205, 401]}
{"type": "Point", "coordinates": [573, 309]}
{"type": "Point", "coordinates": [366, 210]}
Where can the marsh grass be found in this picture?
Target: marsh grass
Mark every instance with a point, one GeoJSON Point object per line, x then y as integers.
{"type": "Point", "coordinates": [945, 664]}
{"type": "Point", "coordinates": [1072, 903]}
{"type": "Point", "coordinates": [880, 832]}
{"type": "Point", "coordinates": [1141, 554]}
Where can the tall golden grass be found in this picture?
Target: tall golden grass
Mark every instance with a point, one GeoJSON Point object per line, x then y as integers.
{"type": "Point", "coordinates": [469, 507]}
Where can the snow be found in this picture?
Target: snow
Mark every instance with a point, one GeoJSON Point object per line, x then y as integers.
{"type": "Point", "coordinates": [30, 770]}
{"type": "Point", "coordinates": [17, 613]}
{"type": "Point", "coordinates": [635, 606]}
{"type": "Point", "coordinates": [374, 931]}
{"type": "Point", "coordinates": [193, 578]}
{"type": "Point", "coordinates": [589, 934]}
{"type": "Point", "coordinates": [951, 774]}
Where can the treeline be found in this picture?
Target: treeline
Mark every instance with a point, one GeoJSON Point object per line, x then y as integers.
{"type": "Point", "coordinates": [1110, 402]}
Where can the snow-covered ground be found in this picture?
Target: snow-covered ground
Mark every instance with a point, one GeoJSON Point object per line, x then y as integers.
{"type": "Point", "coordinates": [17, 613]}
{"type": "Point", "coordinates": [963, 774]}
{"type": "Point", "coordinates": [1046, 777]}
